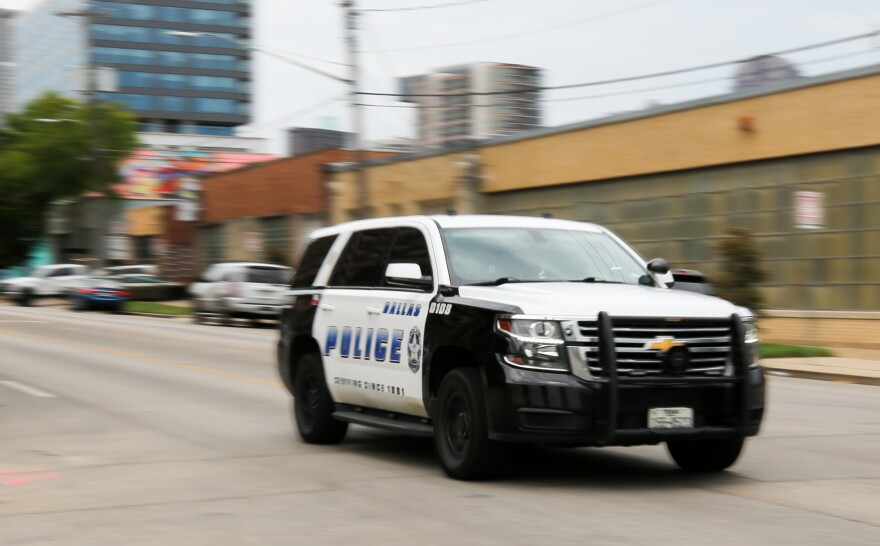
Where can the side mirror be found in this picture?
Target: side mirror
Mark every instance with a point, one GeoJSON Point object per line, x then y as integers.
{"type": "Point", "coordinates": [407, 275]}
{"type": "Point", "coordinates": [660, 268]}
{"type": "Point", "coordinates": [658, 265]}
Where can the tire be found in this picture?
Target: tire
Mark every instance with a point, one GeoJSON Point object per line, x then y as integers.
{"type": "Point", "coordinates": [313, 405]}
{"type": "Point", "coordinates": [196, 316]}
{"type": "Point", "coordinates": [461, 428]}
{"type": "Point", "coordinates": [705, 455]}
{"type": "Point", "coordinates": [225, 318]}
{"type": "Point", "coordinates": [25, 299]}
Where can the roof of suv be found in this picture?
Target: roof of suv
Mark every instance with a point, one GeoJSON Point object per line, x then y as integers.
{"type": "Point", "coordinates": [462, 221]}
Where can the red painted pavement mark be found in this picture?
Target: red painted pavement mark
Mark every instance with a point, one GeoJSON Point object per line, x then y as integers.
{"type": "Point", "coordinates": [24, 476]}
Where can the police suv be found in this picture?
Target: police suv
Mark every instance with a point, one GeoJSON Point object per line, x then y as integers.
{"type": "Point", "coordinates": [483, 331]}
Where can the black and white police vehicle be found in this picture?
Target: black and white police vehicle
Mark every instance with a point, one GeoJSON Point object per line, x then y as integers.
{"type": "Point", "coordinates": [485, 331]}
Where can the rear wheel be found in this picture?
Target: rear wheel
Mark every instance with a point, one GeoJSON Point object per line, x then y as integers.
{"type": "Point", "coordinates": [461, 429]}
{"type": "Point", "coordinates": [705, 455]}
{"type": "Point", "coordinates": [313, 405]}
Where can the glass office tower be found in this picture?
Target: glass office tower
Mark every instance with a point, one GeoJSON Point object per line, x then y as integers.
{"type": "Point", "coordinates": [175, 84]}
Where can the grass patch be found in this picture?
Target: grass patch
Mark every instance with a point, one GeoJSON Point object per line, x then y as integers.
{"type": "Point", "coordinates": [156, 308]}
{"type": "Point", "coordinates": [781, 350]}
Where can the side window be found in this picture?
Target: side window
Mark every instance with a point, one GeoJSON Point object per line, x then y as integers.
{"type": "Point", "coordinates": [362, 262]}
{"type": "Point", "coordinates": [60, 272]}
{"type": "Point", "coordinates": [410, 247]}
{"type": "Point", "coordinates": [311, 262]}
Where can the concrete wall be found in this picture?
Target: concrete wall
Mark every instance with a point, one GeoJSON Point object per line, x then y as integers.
{"type": "Point", "coordinates": [822, 329]}
{"type": "Point", "coordinates": [820, 118]}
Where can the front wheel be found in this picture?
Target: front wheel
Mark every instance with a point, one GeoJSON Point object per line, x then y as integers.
{"type": "Point", "coordinates": [705, 455]}
{"type": "Point", "coordinates": [461, 428]}
{"type": "Point", "coordinates": [26, 298]}
{"type": "Point", "coordinates": [313, 405]}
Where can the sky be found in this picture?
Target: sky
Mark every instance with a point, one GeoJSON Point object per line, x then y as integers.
{"type": "Point", "coordinates": [573, 41]}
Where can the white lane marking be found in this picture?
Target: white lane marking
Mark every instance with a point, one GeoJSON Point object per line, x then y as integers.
{"type": "Point", "coordinates": [27, 390]}
{"type": "Point", "coordinates": [33, 321]}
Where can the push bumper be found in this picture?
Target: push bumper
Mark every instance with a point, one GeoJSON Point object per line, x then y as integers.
{"type": "Point", "coordinates": [533, 406]}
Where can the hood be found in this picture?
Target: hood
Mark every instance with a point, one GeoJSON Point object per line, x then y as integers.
{"type": "Point", "coordinates": [19, 281]}
{"type": "Point", "coordinates": [587, 299]}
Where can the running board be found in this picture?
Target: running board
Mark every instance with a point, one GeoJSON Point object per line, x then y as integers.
{"type": "Point", "coordinates": [386, 423]}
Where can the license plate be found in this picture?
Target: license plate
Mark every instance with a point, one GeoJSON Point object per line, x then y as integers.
{"type": "Point", "coordinates": [671, 418]}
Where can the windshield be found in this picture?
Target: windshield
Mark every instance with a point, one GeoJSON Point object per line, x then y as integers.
{"type": "Point", "coordinates": [268, 275]}
{"type": "Point", "coordinates": [483, 255]}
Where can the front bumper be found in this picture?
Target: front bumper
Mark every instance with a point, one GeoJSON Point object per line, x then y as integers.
{"type": "Point", "coordinates": [535, 406]}
{"type": "Point", "coordinates": [528, 406]}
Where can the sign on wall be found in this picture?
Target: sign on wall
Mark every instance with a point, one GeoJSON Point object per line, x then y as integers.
{"type": "Point", "coordinates": [157, 174]}
{"type": "Point", "coordinates": [809, 209]}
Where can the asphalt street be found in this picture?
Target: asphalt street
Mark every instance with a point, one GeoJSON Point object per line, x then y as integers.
{"type": "Point", "coordinates": [136, 430]}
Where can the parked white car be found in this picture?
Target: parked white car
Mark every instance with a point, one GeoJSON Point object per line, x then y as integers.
{"type": "Point", "coordinates": [45, 281]}
{"type": "Point", "coordinates": [241, 290]}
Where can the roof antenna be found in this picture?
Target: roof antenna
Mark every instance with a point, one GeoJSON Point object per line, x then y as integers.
{"type": "Point", "coordinates": [451, 212]}
{"type": "Point", "coordinates": [546, 215]}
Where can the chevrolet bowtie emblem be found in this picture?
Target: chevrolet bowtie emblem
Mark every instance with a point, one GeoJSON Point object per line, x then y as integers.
{"type": "Point", "coordinates": [663, 344]}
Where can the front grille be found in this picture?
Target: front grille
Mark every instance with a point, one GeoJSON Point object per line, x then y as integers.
{"type": "Point", "coordinates": [692, 346]}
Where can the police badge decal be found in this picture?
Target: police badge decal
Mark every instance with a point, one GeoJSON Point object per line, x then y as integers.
{"type": "Point", "coordinates": [414, 347]}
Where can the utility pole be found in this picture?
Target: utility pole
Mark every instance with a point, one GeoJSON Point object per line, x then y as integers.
{"type": "Point", "coordinates": [357, 144]}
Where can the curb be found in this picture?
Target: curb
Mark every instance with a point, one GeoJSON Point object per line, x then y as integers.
{"type": "Point", "coordinates": [158, 315]}
{"type": "Point", "coordinates": [822, 376]}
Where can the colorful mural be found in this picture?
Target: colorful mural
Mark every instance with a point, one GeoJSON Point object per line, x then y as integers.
{"type": "Point", "coordinates": [154, 174]}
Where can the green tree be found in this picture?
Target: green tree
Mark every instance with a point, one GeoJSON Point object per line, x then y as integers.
{"type": "Point", "coordinates": [56, 148]}
{"type": "Point", "coordinates": [741, 271]}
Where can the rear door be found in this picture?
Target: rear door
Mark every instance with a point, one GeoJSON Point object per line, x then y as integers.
{"type": "Point", "coordinates": [371, 333]}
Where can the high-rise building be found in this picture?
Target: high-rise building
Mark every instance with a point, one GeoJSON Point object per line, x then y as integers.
{"type": "Point", "coordinates": [195, 84]}
{"type": "Point", "coordinates": [462, 116]}
{"type": "Point", "coordinates": [308, 139]}
{"type": "Point", "coordinates": [6, 18]}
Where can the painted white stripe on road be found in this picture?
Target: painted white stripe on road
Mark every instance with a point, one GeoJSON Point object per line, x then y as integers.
{"type": "Point", "coordinates": [27, 390]}
{"type": "Point", "coordinates": [32, 321]}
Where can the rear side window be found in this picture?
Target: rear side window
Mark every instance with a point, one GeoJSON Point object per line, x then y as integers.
{"type": "Point", "coordinates": [267, 275]}
{"type": "Point", "coordinates": [363, 261]}
{"type": "Point", "coordinates": [311, 261]}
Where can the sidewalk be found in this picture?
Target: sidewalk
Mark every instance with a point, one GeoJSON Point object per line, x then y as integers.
{"type": "Point", "coordinates": [849, 366]}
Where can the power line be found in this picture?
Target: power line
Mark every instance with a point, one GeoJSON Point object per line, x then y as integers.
{"type": "Point", "coordinates": [288, 53]}
{"type": "Point", "coordinates": [675, 72]}
{"type": "Point", "coordinates": [503, 37]}
{"type": "Point", "coordinates": [434, 6]}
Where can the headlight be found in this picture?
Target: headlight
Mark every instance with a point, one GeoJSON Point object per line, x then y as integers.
{"type": "Point", "coordinates": [750, 329]}
{"type": "Point", "coordinates": [533, 344]}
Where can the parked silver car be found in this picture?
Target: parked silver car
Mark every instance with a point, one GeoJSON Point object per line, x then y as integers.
{"type": "Point", "coordinates": [250, 290]}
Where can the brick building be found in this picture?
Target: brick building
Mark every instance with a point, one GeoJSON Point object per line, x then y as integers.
{"type": "Point", "coordinates": [266, 211]}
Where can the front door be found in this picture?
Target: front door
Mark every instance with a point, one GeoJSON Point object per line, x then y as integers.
{"type": "Point", "coordinates": [372, 333]}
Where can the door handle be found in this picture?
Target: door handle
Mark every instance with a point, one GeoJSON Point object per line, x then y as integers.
{"type": "Point", "coordinates": [327, 307]}
{"type": "Point", "coordinates": [374, 310]}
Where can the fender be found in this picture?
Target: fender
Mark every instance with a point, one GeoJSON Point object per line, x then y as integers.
{"type": "Point", "coordinates": [462, 323]}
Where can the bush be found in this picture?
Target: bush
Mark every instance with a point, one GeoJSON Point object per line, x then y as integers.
{"type": "Point", "coordinates": [740, 269]}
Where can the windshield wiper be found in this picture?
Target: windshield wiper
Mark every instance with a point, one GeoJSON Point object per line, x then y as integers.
{"type": "Point", "coordinates": [594, 279]}
{"type": "Point", "coordinates": [497, 282]}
